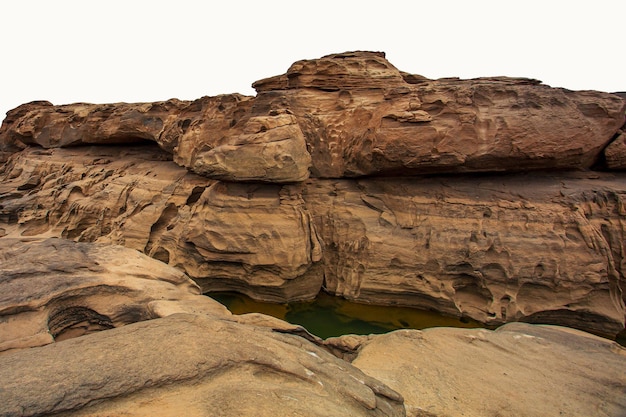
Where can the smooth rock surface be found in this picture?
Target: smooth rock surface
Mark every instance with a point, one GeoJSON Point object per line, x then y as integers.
{"type": "Point", "coordinates": [192, 365]}
{"type": "Point", "coordinates": [518, 370]}
{"type": "Point", "coordinates": [56, 289]}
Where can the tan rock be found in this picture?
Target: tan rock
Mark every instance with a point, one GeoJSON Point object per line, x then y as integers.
{"type": "Point", "coordinates": [255, 238]}
{"type": "Point", "coordinates": [518, 370]}
{"type": "Point", "coordinates": [541, 248]}
{"type": "Point", "coordinates": [57, 289]}
{"type": "Point", "coordinates": [190, 365]}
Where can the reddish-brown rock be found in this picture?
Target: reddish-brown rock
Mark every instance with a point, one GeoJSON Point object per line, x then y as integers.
{"type": "Point", "coordinates": [212, 136]}
{"type": "Point", "coordinates": [361, 116]}
{"type": "Point", "coordinates": [346, 115]}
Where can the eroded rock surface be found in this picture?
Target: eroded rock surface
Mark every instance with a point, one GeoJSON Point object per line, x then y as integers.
{"type": "Point", "coordinates": [194, 365]}
{"type": "Point", "coordinates": [539, 248]}
{"type": "Point", "coordinates": [350, 114]}
{"type": "Point", "coordinates": [517, 370]}
{"type": "Point", "coordinates": [56, 289]}
{"type": "Point", "coordinates": [362, 116]}
{"type": "Point", "coordinates": [255, 238]}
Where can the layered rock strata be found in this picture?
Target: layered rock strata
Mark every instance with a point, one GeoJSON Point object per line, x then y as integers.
{"type": "Point", "coordinates": [545, 246]}
{"type": "Point", "coordinates": [56, 289]}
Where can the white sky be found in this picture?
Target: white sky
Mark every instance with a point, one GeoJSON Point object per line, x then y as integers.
{"type": "Point", "coordinates": [105, 51]}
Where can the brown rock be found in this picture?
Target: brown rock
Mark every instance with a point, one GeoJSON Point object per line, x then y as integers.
{"type": "Point", "coordinates": [255, 238]}
{"type": "Point", "coordinates": [518, 370]}
{"type": "Point", "coordinates": [361, 116]}
{"type": "Point", "coordinates": [212, 136]}
{"type": "Point", "coordinates": [541, 248]}
{"type": "Point", "coordinates": [57, 289]}
{"type": "Point", "coordinates": [615, 153]}
{"type": "Point", "coordinates": [538, 248]}
{"type": "Point", "coordinates": [351, 114]}
{"type": "Point", "coordinates": [190, 365]}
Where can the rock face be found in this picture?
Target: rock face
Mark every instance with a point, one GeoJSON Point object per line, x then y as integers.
{"type": "Point", "coordinates": [332, 177]}
{"type": "Point", "coordinates": [538, 248]}
{"type": "Point", "coordinates": [349, 114]}
{"type": "Point", "coordinates": [475, 198]}
{"type": "Point", "coordinates": [251, 237]}
{"type": "Point", "coordinates": [56, 289]}
{"type": "Point", "coordinates": [368, 118]}
{"type": "Point", "coordinates": [518, 370]}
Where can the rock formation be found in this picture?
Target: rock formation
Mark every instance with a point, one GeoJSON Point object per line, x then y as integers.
{"type": "Point", "coordinates": [188, 364]}
{"type": "Point", "coordinates": [56, 289]}
{"type": "Point", "coordinates": [498, 199]}
{"type": "Point", "coordinates": [518, 370]}
{"type": "Point", "coordinates": [475, 197]}
{"type": "Point", "coordinates": [133, 337]}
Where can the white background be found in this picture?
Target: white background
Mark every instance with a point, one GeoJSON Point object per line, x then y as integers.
{"type": "Point", "coordinates": [105, 51]}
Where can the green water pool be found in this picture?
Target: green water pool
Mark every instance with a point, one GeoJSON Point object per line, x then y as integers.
{"type": "Point", "coordinates": [329, 316]}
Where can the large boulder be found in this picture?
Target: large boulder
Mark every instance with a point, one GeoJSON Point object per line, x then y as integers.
{"type": "Point", "coordinates": [192, 365]}
{"type": "Point", "coordinates": [517, 370]}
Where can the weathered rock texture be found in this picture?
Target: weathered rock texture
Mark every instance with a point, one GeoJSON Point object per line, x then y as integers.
{"type": "Point", "coordinates": [190, 365]}
{"type": "Point", "coordinates": [354, 114]}
{"type": "Point", "coordinates": [361, 116]}
{"type": "Point", "coordinates": [57, 289]}
{"type": "Point", "coordinates": [518, 370]}
{"type": "Point", "coordinates": [539, 248]}
{"type": "Point", "coordinates": [250, 237]}
{"type": "Point", "coordinates": [536, 236]}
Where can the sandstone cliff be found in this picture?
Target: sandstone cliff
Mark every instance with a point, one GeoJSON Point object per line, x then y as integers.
{"type": "Point", "coordinates": [472, 197]}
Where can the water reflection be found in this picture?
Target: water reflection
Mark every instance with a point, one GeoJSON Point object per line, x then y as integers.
{"type": "Point", "coordinates": [329, 316]}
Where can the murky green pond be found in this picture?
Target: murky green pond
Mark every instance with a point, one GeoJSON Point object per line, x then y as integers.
{"type": "Point", "coordinates": [329, 316]}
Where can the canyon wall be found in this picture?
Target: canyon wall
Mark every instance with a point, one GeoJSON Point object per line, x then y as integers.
{"type": "Point", "coordinates": [499, 199]}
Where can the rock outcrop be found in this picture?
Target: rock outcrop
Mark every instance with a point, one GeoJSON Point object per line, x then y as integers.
{"type": "Point", "coordinates": [137, 339]}
{"type": "Point", "coordinates": [255, 238]}
{"type": "Point", "coordinates": [518, 370]}
{"type": "Point", "coordinates": [56, 289]}
{"type": "Point", "coordinates": [192, 365]}
{"type": "Point", "coordinates": [333, 177]}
